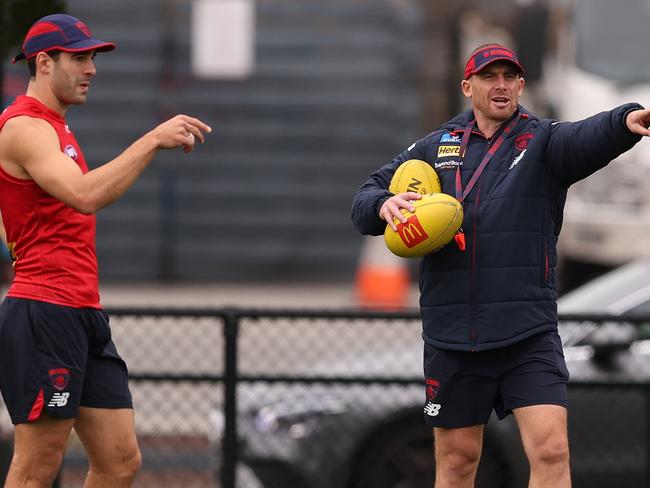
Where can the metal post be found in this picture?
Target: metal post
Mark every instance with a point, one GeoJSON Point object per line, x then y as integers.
{"type": "Point", "coordinates": [229, 441]}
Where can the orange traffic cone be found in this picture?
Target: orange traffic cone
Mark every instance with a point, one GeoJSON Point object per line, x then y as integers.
{"type": "Point", "coordinates": [382, 278]}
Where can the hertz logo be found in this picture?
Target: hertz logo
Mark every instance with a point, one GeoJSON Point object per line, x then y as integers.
{"type": "Point", "coordinates": [448, 151]}
{"type": "Point", "coordinates": [411, 232]}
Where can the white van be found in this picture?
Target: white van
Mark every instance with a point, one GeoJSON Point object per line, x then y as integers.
{"type": "Point", "coordinates": [603, 61]}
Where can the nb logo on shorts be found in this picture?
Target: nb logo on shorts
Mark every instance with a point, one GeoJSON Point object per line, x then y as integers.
{"type": "Point", "coordinates": [432, 409]}
{"type": "Point", "coordinates": [59, 399]}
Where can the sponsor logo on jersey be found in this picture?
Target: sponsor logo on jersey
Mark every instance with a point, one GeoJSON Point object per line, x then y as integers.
{"type": "Point", "coordinates": [447, 137]}
{"type": "Point", "coordinates": [517, 159]}
{"type": "Point", "coordinates": [59, 399]}
{"type": "Point", "coordinates": [59, 378]}
{"type": "Point", "coordinates": [411, 232]}
{"type": "Point", "coordinates": [448, 151]}
{"type": "Point", "coordinates": [447, 164]}
{"type": "Point", "coordinates": [71, 151]}
{"type": "Point", "coordinates": [432, 409]}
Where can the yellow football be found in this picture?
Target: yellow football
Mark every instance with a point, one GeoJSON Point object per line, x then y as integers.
{"type": "Point", "coordinates": [415, 175]}
{"type": "Point", "coordinates": [434, 223]}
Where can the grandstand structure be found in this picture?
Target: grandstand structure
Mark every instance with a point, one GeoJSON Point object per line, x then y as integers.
{"type": "Point", "coordinates": [337, 89]}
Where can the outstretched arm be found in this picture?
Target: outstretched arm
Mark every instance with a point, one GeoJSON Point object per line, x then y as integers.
{"type": "Point", "coordinates": [576, 150]}
{"type": "Point", "coordinates": [31, 148]}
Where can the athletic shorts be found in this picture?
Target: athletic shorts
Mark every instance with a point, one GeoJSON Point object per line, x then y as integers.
{"type": "Point", "coordinates": [55, 358]}
{"type": "Point", "coordinates": [463, 388]}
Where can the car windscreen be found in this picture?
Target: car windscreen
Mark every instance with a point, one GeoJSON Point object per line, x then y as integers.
{"type": "Point", "coordinates": [609, 39]}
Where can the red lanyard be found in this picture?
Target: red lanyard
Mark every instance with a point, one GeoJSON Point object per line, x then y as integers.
{"type": "Point", "coordinates": [460, 193]}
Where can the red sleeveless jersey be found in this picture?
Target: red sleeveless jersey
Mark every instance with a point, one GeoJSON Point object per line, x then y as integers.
{"type": "Point", "coordinates": [52, 245]}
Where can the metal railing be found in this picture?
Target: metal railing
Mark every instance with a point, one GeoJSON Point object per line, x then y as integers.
{"type": "Point", "coordinates": [187, 364]}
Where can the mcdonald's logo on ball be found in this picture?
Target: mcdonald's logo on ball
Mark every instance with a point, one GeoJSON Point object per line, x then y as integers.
{"type": "Point", "coordinates": [435, 221]}
{"type": "Point", "coordinates": [411, 232]}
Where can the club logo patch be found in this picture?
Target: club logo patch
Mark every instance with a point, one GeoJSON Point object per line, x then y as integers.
{"type": "Point", "coordinates": [11, 246]}
{"type": "Point", "coordinates": [432, 388]}
{"type": "Point", "coordinates": [83, 28]}
{"type": "Point", "coordinates": [71, 151]}
{"type": "Point", "coordinates": [59, 378]}
{"type": "Point", "coordinates": [521, 141]}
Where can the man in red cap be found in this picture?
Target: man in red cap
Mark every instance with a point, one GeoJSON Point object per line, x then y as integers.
{"type": "Point", "coordinates": [59, 368]}
{"type": "Point", "coordinates": [488, 300]}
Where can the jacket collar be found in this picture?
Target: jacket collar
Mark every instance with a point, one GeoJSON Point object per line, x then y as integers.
{"type": "Point", "coordinates": [460, 121]}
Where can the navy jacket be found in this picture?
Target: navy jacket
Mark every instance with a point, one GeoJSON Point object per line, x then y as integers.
{"type": "Point", "coordinates": [502, 288]}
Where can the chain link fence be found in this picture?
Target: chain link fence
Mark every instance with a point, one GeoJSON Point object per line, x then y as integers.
{"type": "Point", "coordinates": [323, 399]}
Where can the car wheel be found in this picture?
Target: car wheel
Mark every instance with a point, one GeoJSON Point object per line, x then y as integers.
{"type": "Point", "coordinates": [401, 456]}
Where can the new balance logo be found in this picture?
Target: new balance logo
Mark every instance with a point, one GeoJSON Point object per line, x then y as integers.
{"type": "Point", "coordinates": [59, 399]}
{"type": "Point", "coordinates": [432, 409]}
{"type": "Point", "coordinates": [515, 161]}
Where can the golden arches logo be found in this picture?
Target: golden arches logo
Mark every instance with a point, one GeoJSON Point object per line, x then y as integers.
{"type": "Point", "coordinates": [411, 232]}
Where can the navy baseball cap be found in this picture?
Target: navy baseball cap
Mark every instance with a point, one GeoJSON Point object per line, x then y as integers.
{"type": "Point", "coordinates": [489, 53]}
{"type": "Point", "coordinates": [60, 32]}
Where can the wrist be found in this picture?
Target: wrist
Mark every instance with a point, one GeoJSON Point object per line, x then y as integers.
{"type": "Point", "coordinates": [151, 141]}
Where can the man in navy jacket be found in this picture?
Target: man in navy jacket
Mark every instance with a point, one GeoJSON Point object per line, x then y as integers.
{"type": "Point", "coordinates": [489, 308]}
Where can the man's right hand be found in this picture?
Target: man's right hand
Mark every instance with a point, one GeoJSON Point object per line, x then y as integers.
{"type": "Point", "coordinates": [180, 131]}
{"type": "Point", "coordinates": [392, 208]}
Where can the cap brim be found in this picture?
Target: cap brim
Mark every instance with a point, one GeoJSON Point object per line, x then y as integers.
{"type": "Point", "coordinates": [494, 60]}
{"type": "Point", "coordinates": [75, 47]}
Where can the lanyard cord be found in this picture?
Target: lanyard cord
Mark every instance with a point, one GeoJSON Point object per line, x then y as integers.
{"type": "Point", "coordinates": [460, 193]}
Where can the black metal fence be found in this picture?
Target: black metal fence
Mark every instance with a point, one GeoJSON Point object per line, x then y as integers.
{"type": "Point", "coordinates": [296, 398]}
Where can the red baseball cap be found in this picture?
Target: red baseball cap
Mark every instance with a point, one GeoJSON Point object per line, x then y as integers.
{"type": "Point", "coordinates": [489, 53]}
{"type": "Point", "coordinates": [60, 32]}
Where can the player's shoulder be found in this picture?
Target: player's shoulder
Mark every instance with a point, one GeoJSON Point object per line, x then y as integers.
{"type": "Point", "coordinates": [27, 122]}
{"type": "Point", "coordinates": [24, 128]}
{"type": "Point", "coordinates": [24, 138]}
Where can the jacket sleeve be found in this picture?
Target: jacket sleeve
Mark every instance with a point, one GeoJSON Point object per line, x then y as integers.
{"type": "Point", "coordinates": [374, 192]}
{"type": "Point", "coordinates": [575, 150]}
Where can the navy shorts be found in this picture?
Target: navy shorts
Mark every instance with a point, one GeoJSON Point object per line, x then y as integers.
{"type": "Point", "coordinates": [463, 388]}
{"type": "Point", "coordinates": [55, 359]}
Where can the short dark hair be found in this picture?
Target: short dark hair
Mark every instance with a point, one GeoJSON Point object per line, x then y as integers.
{"type": "Point", "coordinates": [31, 63]}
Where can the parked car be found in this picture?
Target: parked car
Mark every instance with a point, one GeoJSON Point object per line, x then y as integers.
{"type": "Point", "coordinates": [360, 435]}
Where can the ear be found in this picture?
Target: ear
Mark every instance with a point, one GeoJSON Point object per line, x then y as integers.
{"type": "Point", "coordinates": [44, 63]}
{"type": "Point", "coordinates": [466, 87]}
{"type": "Point", "coordinates": [522, 84]}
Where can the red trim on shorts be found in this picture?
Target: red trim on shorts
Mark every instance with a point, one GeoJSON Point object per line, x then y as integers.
{"type": "Point", "coordinates": [37, 408]}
